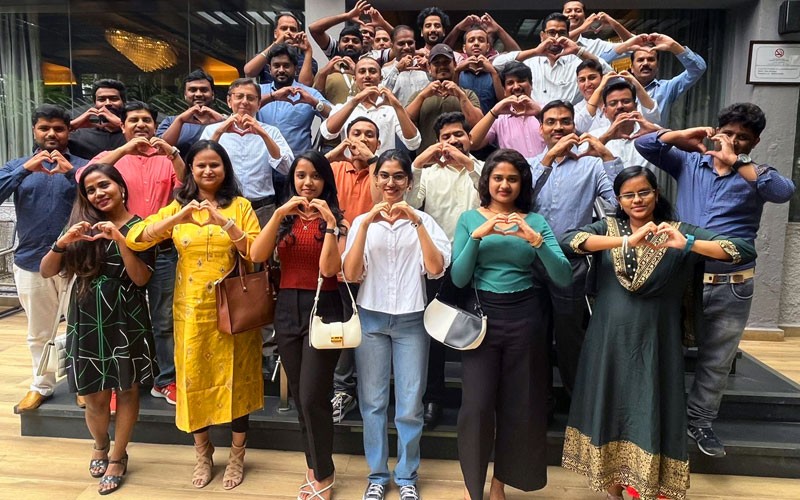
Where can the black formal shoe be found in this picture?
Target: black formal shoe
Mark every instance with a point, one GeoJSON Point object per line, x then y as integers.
{"type": "Point", "coordinates": [432, 415]}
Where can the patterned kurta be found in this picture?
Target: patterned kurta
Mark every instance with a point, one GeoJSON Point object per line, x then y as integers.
{"type": "Point", "coordinates": [109, 336]}
{"type": "Point", "coordinates": [218, 376]}
{"type": "Point", "coordinates": [627, 421]}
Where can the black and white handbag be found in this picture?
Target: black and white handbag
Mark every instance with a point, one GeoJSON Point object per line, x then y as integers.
{"type": "Point", "coordinates": [453, 326]}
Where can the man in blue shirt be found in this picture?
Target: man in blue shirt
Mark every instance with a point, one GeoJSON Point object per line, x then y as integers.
{"type": "Point", "coordinates": [565, 187]}
{"type": "Point", "coordinates": [290, 106]}
{"type": "Point", "coordinates": [288, 31]}
{"type": "Point", "coordinates": [644, 66]}
{"type": "Point", "coordinates": [44, 188]}
{"type": "Point", "coordinates": [723, 191]}
{"type": "Point", "coordinates": [183, 130]}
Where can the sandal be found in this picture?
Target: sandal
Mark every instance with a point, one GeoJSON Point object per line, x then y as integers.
{"type": "Point", "coordinates": [203, 469]}
{"type": "Point", "coordinates": [234, 471]}
{"type": "Point", "coordinates": [116, 481]}
{"type": "Point", "coordinates": [314, 493]}
{"type": "Point", "coordinates": [98, 466]}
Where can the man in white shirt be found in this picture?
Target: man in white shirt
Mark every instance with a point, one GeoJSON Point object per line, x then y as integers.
{"type": "Point", "coordinates": [379, 105]}
{"type": "Point", "coordinates": [446, 180]}
{"type": "Point", "coordinates": [552, 62]}
{"type": "Point", "coordinates": [407, 74]}
{"type": "Point", "coordinates": [579, 24]}
{"type": "Point", "coordinates": [592, 82]}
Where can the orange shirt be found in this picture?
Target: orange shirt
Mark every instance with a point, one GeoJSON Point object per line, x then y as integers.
{"type": "Point", "coordinates": [354, 189]}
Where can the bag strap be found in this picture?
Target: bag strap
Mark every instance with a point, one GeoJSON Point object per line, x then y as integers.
{"type": "Point", "coordinates": [319, 288]}
{"type": "Point", "coordinates": [449, 281]}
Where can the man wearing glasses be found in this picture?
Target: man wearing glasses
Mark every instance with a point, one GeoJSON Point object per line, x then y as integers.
{"type": "Point", "coordinates": [565, 187]}
{"type": "Point", "coordinates": [553, 62]}
{"type": "Point", "coordinates": [255, 148]}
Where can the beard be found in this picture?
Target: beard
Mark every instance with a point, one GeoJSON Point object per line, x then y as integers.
{"type": "Point", "coordinates": [351, 53]}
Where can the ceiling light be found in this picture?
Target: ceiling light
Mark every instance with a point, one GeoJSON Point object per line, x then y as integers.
{"type": "Point", "coordinates": [225, 17]}
{"type": "Point", "coordinates": [147, 53]}
{"type": "Point", "coordinates": [208, 17]}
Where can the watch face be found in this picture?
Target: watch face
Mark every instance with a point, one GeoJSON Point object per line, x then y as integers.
{"type": "Point", "coordinates": [744, 158]}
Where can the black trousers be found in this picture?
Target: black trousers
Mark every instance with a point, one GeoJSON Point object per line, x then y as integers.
{"type": "Point", "coordinates": [504, 396]}
{"type": "Point", "coordinates": [566, 312]}
{"type": "Point", "coordinates": [309, 371]}
{"type": "Point", "coordinates": [434, 387]}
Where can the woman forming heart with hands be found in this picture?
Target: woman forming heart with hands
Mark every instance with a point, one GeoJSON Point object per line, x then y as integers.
{"type": "Point", "coordinates": [109, 335]}
{"type": "Point", "coordinates": [506, 377]}
{"type": "Point", "coordinates": [210, 223]}
{"type": "Point", "coordinates": [391, 249]}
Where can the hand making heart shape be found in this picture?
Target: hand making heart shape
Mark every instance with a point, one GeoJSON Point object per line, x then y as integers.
{"type": "Point", "coordinates": [391, 213]}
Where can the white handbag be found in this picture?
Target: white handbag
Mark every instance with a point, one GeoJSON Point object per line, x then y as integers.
{"type": "Point", "coordinates": [54, 355]}
{"type": "Point", "coordinates": [338, 335]}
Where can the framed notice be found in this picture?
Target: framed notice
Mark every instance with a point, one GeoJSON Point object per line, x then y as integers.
{"type": "Point", "coordinates": [774, 63]}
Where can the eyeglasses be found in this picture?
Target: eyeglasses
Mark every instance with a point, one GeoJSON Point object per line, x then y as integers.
{"type": "Point", "coordinates": [615, 103]}
{"type": "Point", "coordinates": [556, 34]}
{"type": "Point", "coordinates": [247, 97]}
{"type": "Point", "coordinates": [641, 194]}
{"type": "Point", "coordinates": [397, 178]}
{"type": "Point", "coordinates": [551, 122]}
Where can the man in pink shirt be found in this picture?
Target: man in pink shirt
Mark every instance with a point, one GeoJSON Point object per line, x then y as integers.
{"type": "Point", "coordinates": [152, 169]}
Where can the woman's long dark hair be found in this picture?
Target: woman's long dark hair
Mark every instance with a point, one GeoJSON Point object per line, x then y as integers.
{"type": "Point", "coordinates": [229, 189]}
{"type": "Point", "coordinates": [662, 212]}
{"type": "Point", "coordinates": [83, 258]}
{"type": "Point", "coordinates": [515, 158]}
{"type": "Point", "coordinates": [329, 194]}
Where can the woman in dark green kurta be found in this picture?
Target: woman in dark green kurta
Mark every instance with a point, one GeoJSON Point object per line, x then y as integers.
{"type": "Point", "coordinates": [627, 423]}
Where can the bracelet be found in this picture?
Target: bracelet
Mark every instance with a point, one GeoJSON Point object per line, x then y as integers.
{"type": "Point", "coordinates": [491, 111]}
{"type": "Point", "coordinates": [264, 55]}
{"type": "Point", "coordinates": [228, 224]}
{"type": "Point", "coordinates": [474, 238]}
{"type": "Point", "coordinates": [539, 245]}
{"type": "Point", "coordinates": [689, 244]}
{"type": "Point", "coordinates": [57, 249]}
{"type": "Point", "coordinates": [624, 245]}
{"type": "Point", "coordinates": [581, 51]}
{"type": "Point", "coordinates": [240, 238]}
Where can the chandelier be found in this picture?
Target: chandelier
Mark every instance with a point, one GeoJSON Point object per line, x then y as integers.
{"type": "Point", "coordinates": [147, 53]}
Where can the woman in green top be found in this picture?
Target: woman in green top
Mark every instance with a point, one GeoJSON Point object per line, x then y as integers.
{"type": "Point", "coordinates": [627, 422]}
{"type": "Point", "coordinates": [505, 380]}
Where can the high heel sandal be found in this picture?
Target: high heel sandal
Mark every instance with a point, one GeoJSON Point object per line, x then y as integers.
{"type": "Point", "coordinates": [234, 471]}
{"type": "Point", "coordinates": [100, 464]}
{"type": "Point", "coordinates": [314, 494]}
{"type": "Point", "coordinates": [204, 454]}
{"type": "Point", "coordinates": [115, 480]}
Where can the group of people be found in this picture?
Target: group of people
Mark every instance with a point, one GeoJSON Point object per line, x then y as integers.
{"type": "Point", "coordinates": [509, 176]}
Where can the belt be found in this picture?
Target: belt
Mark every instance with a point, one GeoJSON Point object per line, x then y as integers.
{"type": "Point", "coordinates": [165, 246]}
{"type": "Point", "coordinates": [263, 202]}
{"type": "Point", "coordinates": [719, 279]}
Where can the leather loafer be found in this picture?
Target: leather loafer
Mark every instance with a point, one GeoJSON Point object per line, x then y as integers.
{"type": "Point", "coordinates": [80, 401]}
{"type": "Point", "coordinates": [432, 415]}
{"type": "Point", "coordinates": [31, 401]}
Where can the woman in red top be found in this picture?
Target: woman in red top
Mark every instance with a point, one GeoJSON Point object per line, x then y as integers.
{"type": "Point", "coordinates": [306, 231]}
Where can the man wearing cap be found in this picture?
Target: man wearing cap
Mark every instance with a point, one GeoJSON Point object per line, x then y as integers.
{"type": "Point", "coordinates": [442, 95]}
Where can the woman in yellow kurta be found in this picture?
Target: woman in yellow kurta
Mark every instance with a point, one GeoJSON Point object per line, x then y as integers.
{"type": "Point", "coordinates": [218, 376]}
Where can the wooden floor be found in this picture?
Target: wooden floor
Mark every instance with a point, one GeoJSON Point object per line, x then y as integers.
{"type": "Point", "coordinates": [56, 469]}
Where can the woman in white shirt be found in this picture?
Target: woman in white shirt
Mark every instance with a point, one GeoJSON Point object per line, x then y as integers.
{"type": "Point", "coordinates": [391, 248]}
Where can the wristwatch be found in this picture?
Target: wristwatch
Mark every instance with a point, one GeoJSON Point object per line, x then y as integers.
{"type": "Point", "coordinates": [57, 249]}
{"type": "Point", "coordinates": [333, 230]}
{"type": "Point", "coordinates": [320, 106]}
{"type": "Point", "coordinates": [175, 152]}
{"type": "Point", "coordinates": [741, 160]}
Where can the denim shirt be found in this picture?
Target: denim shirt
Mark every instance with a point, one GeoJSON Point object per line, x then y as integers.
{"type": "Point", "coordinates": [566, 198]}
{"type": "Point", "coordinates": [666, 92]}
{"type": "Point", "coordinates": [725, 204]}
{"type": "Point", "coordinates": [42, 203]}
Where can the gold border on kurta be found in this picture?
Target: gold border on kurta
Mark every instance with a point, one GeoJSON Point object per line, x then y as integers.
{"type": "Point", "coordinates": [625, 463]}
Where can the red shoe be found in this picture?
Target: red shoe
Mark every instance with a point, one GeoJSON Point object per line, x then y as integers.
{"type": "Point", "coordinates": [167, 392]}
{"type": "Point", "coordinates": [113, 404]}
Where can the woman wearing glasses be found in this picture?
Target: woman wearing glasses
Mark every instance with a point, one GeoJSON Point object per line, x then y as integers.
{"type": "Point", "coordinates": [627, 422]}
{"type": "Point", "coordinates": [391, 249]}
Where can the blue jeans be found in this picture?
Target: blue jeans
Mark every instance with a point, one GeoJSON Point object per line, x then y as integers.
{"type": "Point", "coordinates": [160, 292]}
{"type": "Point", "coordinates": [388, 341]}
{"type": "Point", "coordinates": [725, 311]}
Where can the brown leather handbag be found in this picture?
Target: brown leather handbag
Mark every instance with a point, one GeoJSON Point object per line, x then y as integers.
{"type": "Point", "coordinates": [245, 301]}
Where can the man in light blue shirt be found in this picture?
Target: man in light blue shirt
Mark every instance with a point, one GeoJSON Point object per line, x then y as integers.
{"type": "Point", "coordinates": [290, 106]}
{"type": "Point", "coordinates": [255, 148]}
{"type": "Point", "coordinates": [565, 187]}
{"type": "Point", "coordinates": [645, 68]}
